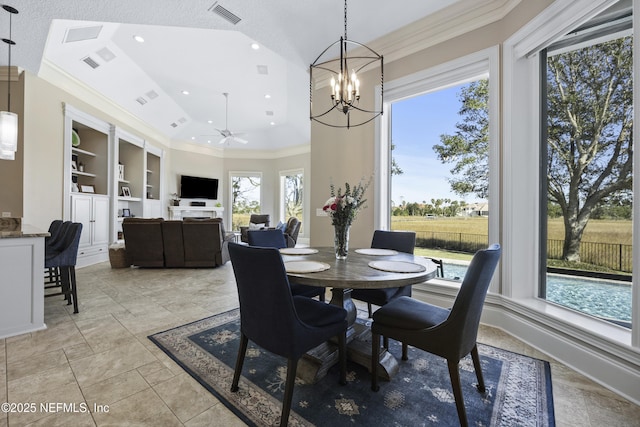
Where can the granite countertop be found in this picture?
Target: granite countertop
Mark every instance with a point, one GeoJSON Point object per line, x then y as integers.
{"type": "Point", "coordinates": [26, 230]}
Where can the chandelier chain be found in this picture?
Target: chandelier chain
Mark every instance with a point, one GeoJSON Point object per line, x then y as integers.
{"type": "Point", "coordinates": [345, 19]}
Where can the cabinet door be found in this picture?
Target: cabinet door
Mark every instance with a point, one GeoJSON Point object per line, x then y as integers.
{"type": "Point", "coordinates": [81, 211]}
{"type": "Point", "coordinates": [100, 221]}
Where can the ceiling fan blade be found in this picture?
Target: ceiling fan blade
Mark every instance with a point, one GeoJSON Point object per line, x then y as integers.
{"type": "Point", "coordinates": [240, 140]}
{"type": "Point", "coordinates": [225, 139]}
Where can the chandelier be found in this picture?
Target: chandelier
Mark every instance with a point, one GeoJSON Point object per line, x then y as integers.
{"type": "Point", "coordinates": [8, 120]}
{"type": "Point", "coordinates": [340, 73]}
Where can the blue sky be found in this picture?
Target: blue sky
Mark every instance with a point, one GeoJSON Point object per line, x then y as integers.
{"type": "Point", "coordinates": [417, 125]}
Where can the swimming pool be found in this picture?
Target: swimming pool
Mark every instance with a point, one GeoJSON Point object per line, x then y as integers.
{"type": "Point", "coordinates": [602, 298]}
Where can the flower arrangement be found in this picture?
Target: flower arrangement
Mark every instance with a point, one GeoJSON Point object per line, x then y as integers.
{"type": "Point", "coordinates": [343, 207]}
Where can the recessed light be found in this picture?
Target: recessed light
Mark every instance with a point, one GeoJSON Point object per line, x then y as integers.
{"type": "Point", "coordinates": [209, 141]}
{"type": "Point", "coordinates": [185, 92]}
{"type": "Point", "coordinates": [193, 138]}
{"type": "Point", "coordinates": [209, 121]}
{"type": "Point", "coordinates": [255, 46]}
{"type": "Point", "coordinates": [267, 96]}
{"type": "Point", "coordinates": [273, 123]}
{"type": "Point", "coordinates": [139, 39]}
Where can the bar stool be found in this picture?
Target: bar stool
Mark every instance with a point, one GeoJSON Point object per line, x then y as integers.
{"type": "Point", "coordinates": [62, 257]}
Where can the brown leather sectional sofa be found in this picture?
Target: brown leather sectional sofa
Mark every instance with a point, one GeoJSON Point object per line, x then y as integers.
{"type": "Point", "coordinates": [189, 243]}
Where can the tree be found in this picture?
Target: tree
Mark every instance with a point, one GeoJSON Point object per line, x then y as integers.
{"type": "Point", "coordinates": [395, 168]}
{"type": "Point", "coordinates": [590, 124]}
{"type": "Point", "coordinates": [589, 141]}
{"type": "Point", "coordinates": [468, 149]}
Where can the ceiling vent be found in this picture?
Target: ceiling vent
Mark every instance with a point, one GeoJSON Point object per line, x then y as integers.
{"type": "Point", "coordinates": [82, 33]}
{"type": "Point", "coordinates": [90, 62]}
{"type": "Point", "coordinates": [269, 113]}
{"type": "Point", "coordinates": [174, 125]}
{"type": "Point", "coordinates": [182, 120]}
{"type": "Point", "coordinates": [263, 69]}
{"type": "Point", "coordinates": [152, 94]}
{"type": "Point", "coordinates": [106, 54]}
{"type": "Point", "coordinates": [218, 9]}
{"type": "Point", "coordinates": [140, 100]}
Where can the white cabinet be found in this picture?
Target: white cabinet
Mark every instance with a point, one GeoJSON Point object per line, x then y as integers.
{"type": "Point", "coordinates": [93, 212]}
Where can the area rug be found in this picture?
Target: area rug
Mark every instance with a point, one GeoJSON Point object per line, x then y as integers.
{"type": "Point", "coordinates": [518, 388]}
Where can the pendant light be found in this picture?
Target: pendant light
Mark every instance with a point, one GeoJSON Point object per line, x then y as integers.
{"type": "Point", "coordinates": [8, 120]}
{"type": "Point", "coordinates": [341, 74]}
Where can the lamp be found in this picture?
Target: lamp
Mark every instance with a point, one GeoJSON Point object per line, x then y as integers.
{"type": "Point", "coordinates": [341, 74]}
{"type": "Point", "coordinates": [8, 120]}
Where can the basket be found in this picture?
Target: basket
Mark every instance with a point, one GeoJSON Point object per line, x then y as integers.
{"type": "Point", "coordinates": [118, 256]}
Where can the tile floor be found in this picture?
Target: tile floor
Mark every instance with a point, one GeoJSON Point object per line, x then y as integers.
{"type": "Point", "coordinates": [101, 360]}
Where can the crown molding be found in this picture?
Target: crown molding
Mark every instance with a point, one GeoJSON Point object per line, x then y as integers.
{"type": "Point", "coordinates": [241, 154]}
{"type": "Point", "coordinates": [460, 18]}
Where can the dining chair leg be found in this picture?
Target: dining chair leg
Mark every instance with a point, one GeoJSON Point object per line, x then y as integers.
{"type": "Point", "coordinates": [239, 362]}
{"type": "Point", "coordinates": [457, 391]}
{"type": "Point", "coordinates": [342, 352]}
{"type": "Point", "coordinates": [375, 356]}
{"type": "Point", "coordinates": [385, 343]}
{"type": "Point", "coordinates": [292, 365]}
{"type": "Point", "coordinates": [74, 289]}
{"type": "Point", "coordinates": [476, 364]}
{"type": "Point", "coordinates": [65, 280]}
{"type": "Point", "coordinates": [370, 310]}
{"type": "Point", "coordinates": [405, 351]}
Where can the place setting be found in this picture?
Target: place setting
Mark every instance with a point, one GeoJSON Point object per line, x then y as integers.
{"type": "Point", "coordinates": [397, 266]}
{"type": "Point", "coordinates": [305, 266]}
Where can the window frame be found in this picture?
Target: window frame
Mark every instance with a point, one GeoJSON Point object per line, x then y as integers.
{"type": "Point", "coordinates": [245, 174]}
{"type": "Point", "coordinates": [478, 65]}
{"type": "Point", "coordinates": [281, 176]}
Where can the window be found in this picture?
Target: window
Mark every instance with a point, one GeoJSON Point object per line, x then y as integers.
{"type": "Point", "coordinates": [412, 201]}
{"type": "Point", "coordinates": [291, 194]}
{"type": "Point", "coordinates": [245, 197]}
{"type": "Point", "coordinates": [439, 172]}
{"type": "Point", "coordinates": [587, 167]}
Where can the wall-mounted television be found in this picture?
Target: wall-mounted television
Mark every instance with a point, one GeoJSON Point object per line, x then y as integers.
{"type": "Point", "coordinates": [194, 187]}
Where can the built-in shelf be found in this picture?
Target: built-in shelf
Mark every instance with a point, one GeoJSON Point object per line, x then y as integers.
{"type": "Point", "coordinates": [81, 151]}
{"type": "Point", "coordinates": [129, 199]}
{"type": "Point", "coordinates": [91, 175]}
{"type": "Point", "coordinates": [125, 181]}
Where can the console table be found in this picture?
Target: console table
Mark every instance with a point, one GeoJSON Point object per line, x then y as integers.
{"type": "Point", "coordinates": [180, 212]}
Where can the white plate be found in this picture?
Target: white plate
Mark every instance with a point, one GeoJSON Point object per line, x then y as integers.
{"type": "Point", "coordinates": [397, 266]}
{"type": "Point", "coordinates": [305, 266]}
{"type": "Point", "coordinates": [298, 251]}
{"type": "Point", "coordinates": [375, 251]}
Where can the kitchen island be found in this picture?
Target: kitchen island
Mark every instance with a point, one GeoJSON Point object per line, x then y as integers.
{"type": "Point", "coordinates": [21, 280]}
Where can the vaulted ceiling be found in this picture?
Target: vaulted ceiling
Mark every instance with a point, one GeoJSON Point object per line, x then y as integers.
{"type": "Point", "coordinates": [192, 46]}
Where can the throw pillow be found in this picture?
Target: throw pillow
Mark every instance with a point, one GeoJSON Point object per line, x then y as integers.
{"type": "Point", "coordinates": [281, 226]}
{"type": "Point", "coordinates": [253, 226]}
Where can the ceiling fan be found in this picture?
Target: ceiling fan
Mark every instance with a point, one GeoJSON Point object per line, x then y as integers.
{"type": "Point", "coordinates": [226, 134]}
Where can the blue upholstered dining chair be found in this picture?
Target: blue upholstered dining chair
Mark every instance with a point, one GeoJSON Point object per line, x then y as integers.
{"type": "Point", "coordinates": [448, 333]}
{"type": "Point", "coordinates": [401, 241]}
{"type": "Point", "coordinates": [272, 318]}
{"type": "Point", "coordinates": [62, 256]}
{"type": "Point", "coordinates": [274, 238]}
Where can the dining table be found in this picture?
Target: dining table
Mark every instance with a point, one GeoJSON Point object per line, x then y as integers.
{"type": "Point", "coordinates": [364, 268]}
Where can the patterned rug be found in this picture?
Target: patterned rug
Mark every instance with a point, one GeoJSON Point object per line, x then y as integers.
{"type": "Point", "coordinates": [518, 387]}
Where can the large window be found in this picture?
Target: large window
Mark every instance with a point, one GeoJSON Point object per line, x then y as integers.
{"type": "Point", "coordinates": [291, 194]}
{"type": "Point", "coordinates": [245, 197]}
{"type": "Point", "coordinates": [587, 167]}
{"type": "Point", "coordinates": [439, 157]}
{"type": "Point", "coordinates": [439, 172]}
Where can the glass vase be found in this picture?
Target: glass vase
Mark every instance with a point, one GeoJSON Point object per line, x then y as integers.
{"type": "Point", "coordinates": [341, 241]}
